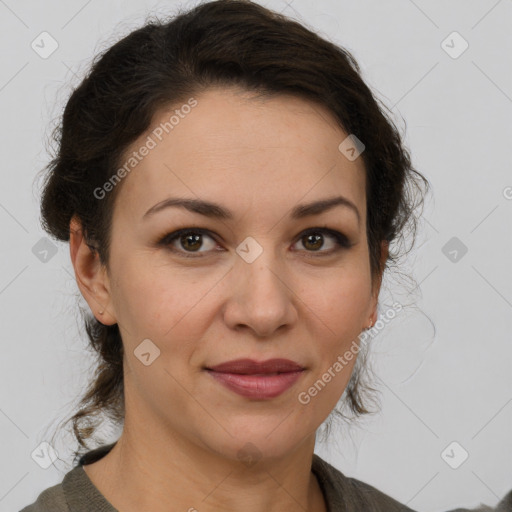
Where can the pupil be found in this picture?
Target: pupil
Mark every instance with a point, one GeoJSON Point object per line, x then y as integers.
{"type": "Point", "coordinates": [188, 237]}
{"type": "Point", "coordinates": [318, 239]}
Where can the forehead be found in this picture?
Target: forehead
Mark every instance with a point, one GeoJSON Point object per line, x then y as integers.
{"type": "Point", "coordinates": [241, 150]}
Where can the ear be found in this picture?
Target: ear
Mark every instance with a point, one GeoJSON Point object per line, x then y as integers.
{"type": "Point", "coordinates": [91, 275]}
{"type": "Point", "coordinates": [376, 286]}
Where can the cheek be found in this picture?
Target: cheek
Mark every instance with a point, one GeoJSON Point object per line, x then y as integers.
{"type": "Point", "coordinates": [340, 312]}
{"type": "Point", "coordinates": [161, 303]}
{"type": "Point", "coordinates": [339, 303]}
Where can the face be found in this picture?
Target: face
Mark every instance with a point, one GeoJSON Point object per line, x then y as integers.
{"type": "Point", "coordinates": [266, 280]}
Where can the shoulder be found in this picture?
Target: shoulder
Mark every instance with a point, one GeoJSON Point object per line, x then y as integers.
{"type": "Point", "coordinates": [344, 493]}
{"type": "Point", "coordinates": [51, 499]}
{"type": "Point", "coordinates": [505, 505]}
{"type": "Point", "coordinates": [76, 492]}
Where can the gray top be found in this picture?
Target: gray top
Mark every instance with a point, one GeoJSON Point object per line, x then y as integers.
{"type": "Point", "coordinates": [77, 493]}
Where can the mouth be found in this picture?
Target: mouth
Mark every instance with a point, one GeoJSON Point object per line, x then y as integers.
{"type": "Point", "coordinates": [257, 380]}
{"type": "Point", "coordinates": [252, 367]}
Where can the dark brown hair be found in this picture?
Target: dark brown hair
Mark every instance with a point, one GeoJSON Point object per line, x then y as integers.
{"type": "Point", "coordinates": [222, 43]}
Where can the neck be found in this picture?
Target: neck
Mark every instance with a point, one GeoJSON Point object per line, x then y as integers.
{"type": "Point", "coordinates": [182, 476]}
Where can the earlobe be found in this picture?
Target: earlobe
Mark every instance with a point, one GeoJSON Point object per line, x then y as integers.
{"type": "Point", "coordinates": [90, 274]}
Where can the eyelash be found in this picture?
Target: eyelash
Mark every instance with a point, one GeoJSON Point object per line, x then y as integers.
{"type": "Point", "coordinates": [340, 239]}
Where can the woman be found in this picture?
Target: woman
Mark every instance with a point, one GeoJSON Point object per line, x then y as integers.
{"type": "Point", "coordinates": [229, 188]}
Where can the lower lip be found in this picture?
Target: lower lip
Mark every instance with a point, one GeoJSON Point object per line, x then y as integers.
{"type": "Point", "coordinates": [257, 386]}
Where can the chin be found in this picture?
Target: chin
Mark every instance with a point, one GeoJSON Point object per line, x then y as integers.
{"type": "Point", "coordinates": [254, 443]}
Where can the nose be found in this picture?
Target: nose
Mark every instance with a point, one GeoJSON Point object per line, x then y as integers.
{"type": "Point", "coordinates": [261, 300]}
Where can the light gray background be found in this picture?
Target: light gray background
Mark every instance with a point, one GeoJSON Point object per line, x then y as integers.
{"type": "Point", "coordinates": [438, 386]}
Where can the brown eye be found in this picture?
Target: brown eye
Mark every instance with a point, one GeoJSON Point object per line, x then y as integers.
{"type": "Point", "coordinates": [188, 241]}
{"type": "Point", "coordinates": [315, 239]}
{"type": "Point", "coordinates": [191, 241]}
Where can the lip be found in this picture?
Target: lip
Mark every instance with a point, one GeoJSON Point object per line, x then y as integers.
{"type": "Point", "coordinates": [257, 379]}
{"type": "Point", "coordinates": [252, 367]}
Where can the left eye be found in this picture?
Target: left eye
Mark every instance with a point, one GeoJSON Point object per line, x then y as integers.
{"type": "Point", "coordinates": [314, 238]}
{"type": "Point", "coordinates": [191, 240]}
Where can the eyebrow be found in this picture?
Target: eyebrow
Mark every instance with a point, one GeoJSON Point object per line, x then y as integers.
{"type": "Point", "coordinates": [216, 211]}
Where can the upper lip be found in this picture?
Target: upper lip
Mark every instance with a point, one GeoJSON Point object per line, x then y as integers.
{"type": "Point", "coordinates": [250, 366]}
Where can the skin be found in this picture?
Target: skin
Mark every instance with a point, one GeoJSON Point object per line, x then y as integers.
{"type": "Point", "coordinates": [183, 430]}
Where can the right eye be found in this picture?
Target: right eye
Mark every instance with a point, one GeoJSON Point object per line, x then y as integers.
{"type": "Point", "coordinates": [190, 240]}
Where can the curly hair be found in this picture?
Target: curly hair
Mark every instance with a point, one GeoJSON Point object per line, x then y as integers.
{"type": "Point", "coordinates": [222, 43]}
